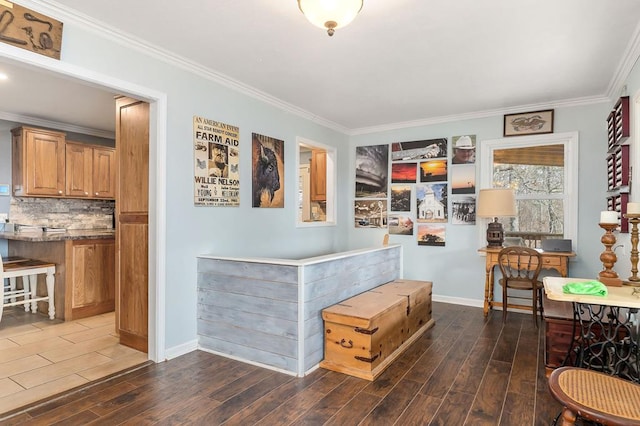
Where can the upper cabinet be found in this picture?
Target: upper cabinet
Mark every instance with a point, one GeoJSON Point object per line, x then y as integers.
{"type": "Point", "coordinates": [104, 172]}
{"type": "Point", "coordinates": [79, 159]}
{"type": "Point", "coordinates": [90, 171]}
{"type": "Point", "coordinates": [318, 175]}
{"type": "Point", "coordinates": [38, 164]}
{"type": "Point", "coordinates": [46, 165]}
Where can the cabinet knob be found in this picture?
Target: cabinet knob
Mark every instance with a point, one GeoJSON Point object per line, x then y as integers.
{"type": "Point", "coordinates": [96, 193]}
{"type": "Point", "coordinates": [86, 193]}
{"type": "Point", "coordinates": [60, 192]}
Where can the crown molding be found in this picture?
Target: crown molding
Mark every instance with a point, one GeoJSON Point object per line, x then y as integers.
{"type": "Point", "coordinates": [481, 114]}
{"type": "Point", "coordinates": [63, 14]}
{"type": "Point", "coordinates": [39, 122]}
{"type": "Point", "coordinates": [629, 58]}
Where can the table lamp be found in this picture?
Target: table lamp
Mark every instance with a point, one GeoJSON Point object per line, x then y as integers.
{"type": "Point", "coordinates": [496, 202]}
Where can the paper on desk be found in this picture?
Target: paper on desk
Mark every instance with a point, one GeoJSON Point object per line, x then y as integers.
{"type": "Point", "coordinates": [593, 288]}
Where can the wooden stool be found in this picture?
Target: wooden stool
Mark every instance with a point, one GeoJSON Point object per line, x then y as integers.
{"type": "Point", "coordinates": [595, 396]}
{"type": "Point", "coordinates": [28, 270]}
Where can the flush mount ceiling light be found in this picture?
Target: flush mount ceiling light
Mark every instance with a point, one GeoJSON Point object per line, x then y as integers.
{"type": "Point", "coordinates": [330, 14]}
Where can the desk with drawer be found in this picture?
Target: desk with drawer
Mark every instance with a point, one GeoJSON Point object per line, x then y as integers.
{"type": "Point", "coordinates": [558, 261]}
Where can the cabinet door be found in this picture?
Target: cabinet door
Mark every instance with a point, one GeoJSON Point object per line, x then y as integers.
{"type": "Point", "coordinates": [78, 170]}
{"type": "Point", "coordinates": [104, 173]}
{"type": "Point", "coordinates": [132, 217]}
{"type": "Point", "coordinates": [44, 163]}
{"type": "Point", "coordinates": [91, 277]}
{"type": "Point", "coordinates": [318, 176]}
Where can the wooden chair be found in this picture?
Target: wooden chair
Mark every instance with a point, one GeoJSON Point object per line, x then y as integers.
{"type": "Point", "coordinates": [594, 396]}
{"type": "Point", "coordinates": [520, 267]}
{"type": "Point", "coordinates": [28, 270]}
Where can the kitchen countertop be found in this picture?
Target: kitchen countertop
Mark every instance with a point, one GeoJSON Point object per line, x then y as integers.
{"type": "Point", "coordinates": [71, 234]}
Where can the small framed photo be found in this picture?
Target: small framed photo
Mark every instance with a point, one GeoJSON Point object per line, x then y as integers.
{"type": "Point", "coordinates": [528, 123]}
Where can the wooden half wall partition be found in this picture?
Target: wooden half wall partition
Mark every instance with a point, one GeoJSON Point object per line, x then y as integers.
{"type": "Point", "coordinates": [269, 311]}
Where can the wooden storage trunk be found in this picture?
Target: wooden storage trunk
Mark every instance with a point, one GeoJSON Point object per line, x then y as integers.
{"type": "Point", "coordinates": [365, 333]}
{"type": "Point", "coordinates": [418, 297]}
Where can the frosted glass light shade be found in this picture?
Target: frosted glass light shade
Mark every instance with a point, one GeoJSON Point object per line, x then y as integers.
{"type": "Point", "coordinates": [330, 14]}
{"type": "Point", "coordinates": [496, 202]}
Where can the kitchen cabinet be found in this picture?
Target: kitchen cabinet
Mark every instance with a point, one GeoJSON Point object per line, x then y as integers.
{"type": "Point", "coordinates": [85, 269]}
{"type": "Point", "coordinates": [318, 178]}
{"type": "Point", "coordinates": [38, 162]}
{"type": "Point", "coordinates": [132, 219]}
{"type": "Point", "coordinates": [90, 277]}
{"type": "Point", "coordinates": [90, 171]}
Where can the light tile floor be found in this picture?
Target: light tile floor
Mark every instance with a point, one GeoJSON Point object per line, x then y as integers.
{"type": "Point", "coordinates": [40, 358]}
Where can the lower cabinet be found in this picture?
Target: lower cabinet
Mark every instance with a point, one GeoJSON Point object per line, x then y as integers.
{"type": "Point", "coordinates": [84, 278]}
{"type": "Point", "coordinates": [90, 280]}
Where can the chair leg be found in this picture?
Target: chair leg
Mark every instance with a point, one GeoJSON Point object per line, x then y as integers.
{"type": "Point", "coordinates": [534, 306]}
{"type": "Point", "coordinates": [568, 417]}
{"type": "Point", "coordinates": [541, 308]}
{"type": "Point", "coordinates": [504, 303]}
{"type": "Point", "coordinates": [33, 283]}
{"type": "Point", "coordinates": [1, 297]}
{"type": "Point", "coordinates": [12, 287]}
{"type": "Point", "coordinates": [50, 292]}
{"type": "Point", "coordinates": [26, 286]}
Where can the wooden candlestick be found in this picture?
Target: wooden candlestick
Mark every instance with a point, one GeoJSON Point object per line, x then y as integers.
{"type": "Point", "coordinates": [608, 258]}
{"type": "Point", "coordinates": [634, 219]}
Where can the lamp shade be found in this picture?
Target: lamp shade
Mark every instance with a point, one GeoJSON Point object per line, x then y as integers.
{"type": "Point", "coordinates": [496, 202]}
{"type": "Point", "coordinates": [330, 14]}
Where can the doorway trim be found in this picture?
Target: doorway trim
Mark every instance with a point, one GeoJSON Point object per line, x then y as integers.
{"type": "Point", "coordinates": [157, 175]}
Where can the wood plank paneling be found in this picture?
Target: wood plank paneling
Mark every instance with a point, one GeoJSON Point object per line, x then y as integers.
{"type": "Point", "coordinates": [251, 308]}
{"type": "Point", "coordinates": [242, 303]}
{"type": "Point", "coordinates": [249, 337]}
{"type": "Point", "coordinates": [259, 322]}
{"type": "Point", "coordinates": [267, 272]}
{"type": "Point", "coordinates": [248, 353]}
{"type": "Point", "coordinates": [249, 286]}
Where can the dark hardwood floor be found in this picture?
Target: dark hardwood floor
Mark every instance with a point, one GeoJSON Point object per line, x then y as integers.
{"type": "Point", "coordinates": [464, 371]}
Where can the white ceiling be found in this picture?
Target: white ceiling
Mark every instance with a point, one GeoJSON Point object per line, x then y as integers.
{"type": "Point", "coordinates": [400, 62]}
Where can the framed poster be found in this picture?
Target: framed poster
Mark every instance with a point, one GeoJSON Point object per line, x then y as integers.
{"type": "Point", "coordinates": [419, 150]}
{"type": "Point", "coordinates": [431, 235]}
{"type": "Point", "coordinates": [372, 170]}
{"type": "Point", "coordinates": [267, 186]}
{"type": "Point", "coordinates": [216, 149]}
{"type": "Point", "coordinates": [370, 213]}
{"type": "Point", "coordinates": [431, 199]}
{"type": "Point", "coordinates": [528, 123]}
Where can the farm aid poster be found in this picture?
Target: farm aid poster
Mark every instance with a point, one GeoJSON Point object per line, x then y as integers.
{"type": "Point", "coordinates": [216, 150]}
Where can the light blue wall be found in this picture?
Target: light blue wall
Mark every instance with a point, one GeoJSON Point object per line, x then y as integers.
{"type": "Point", "coordinates": [456, 269]}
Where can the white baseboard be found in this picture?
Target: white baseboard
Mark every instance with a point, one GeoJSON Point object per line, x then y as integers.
{"type": "Point", "coordinates": [182, 349]}
{"type": "Point", "coordinates": [246, 361]}
{"type": "Point", "coordinates": [458, 300]}
{"type": "Point", "coordinates": [472, 302]}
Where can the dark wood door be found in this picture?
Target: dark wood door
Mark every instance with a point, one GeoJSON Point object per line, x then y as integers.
{"type": "Point", "coordinates": [132, 222]}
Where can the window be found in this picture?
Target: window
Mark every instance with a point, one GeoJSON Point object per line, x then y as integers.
{"type": "Point", "coordinates": [543, 171]}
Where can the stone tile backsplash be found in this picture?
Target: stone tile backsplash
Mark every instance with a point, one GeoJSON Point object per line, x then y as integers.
{"type": "Point", "coordinates": [66, 213]}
